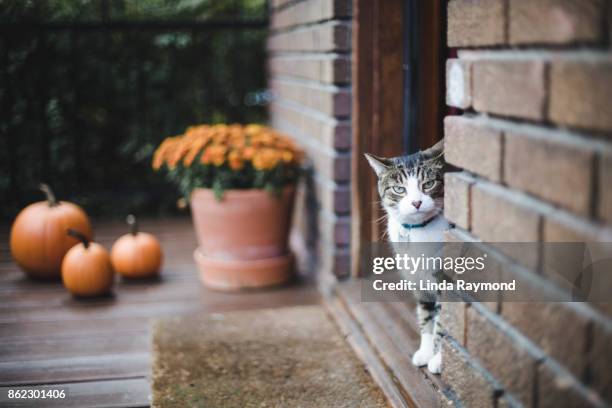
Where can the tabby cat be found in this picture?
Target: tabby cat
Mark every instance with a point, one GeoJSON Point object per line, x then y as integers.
{"type": "Point", "coordinates": [411, 189]}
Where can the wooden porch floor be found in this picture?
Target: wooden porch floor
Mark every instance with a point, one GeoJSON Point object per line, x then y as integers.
{"type": "Point", "coordinates": [98, 350]}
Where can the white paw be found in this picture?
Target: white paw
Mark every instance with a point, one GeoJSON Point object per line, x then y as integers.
{"type": "Point", "coordinates": [435, 364]}
{"type": "Point", "coordinates": [422, 356]}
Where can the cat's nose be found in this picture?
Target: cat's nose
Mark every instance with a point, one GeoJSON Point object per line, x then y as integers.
{"type": "Point", "coordinates": [417, 204]}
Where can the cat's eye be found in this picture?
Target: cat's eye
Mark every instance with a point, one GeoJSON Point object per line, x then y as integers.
{"type": "Point", "coordinates": [399, 189]}
{"type": "Point", "coordinates": [429, 184]}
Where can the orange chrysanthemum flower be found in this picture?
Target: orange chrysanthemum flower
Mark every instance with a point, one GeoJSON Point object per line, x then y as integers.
{"type": "Point", "coordinates": [195, 149]}
{"type": "Point", "coordinates": [266, 158]}
{"type": "Point", "coordinates": [287, 156]}
{"type": "Point", "coordinates": [235, 145]}
{"type": "Point", "coordinates": [248, 152]}
{"type": "Point", "coordinates": [235, 160]}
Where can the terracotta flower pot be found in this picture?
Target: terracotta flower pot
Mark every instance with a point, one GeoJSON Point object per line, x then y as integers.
{"type": "Point", "coordinates": [242, 238]}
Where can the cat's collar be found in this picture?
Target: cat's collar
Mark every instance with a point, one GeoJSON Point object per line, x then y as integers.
{"type": "Point", "coordinates": [421, 225]}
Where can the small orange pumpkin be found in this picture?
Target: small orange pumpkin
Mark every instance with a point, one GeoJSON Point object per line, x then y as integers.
{"type": "Point", "coordinates": [137, 254]}
{"type": "Point", "coordinates": [86, 269]}
{"type": "Point", "coordinates": [38, 235]}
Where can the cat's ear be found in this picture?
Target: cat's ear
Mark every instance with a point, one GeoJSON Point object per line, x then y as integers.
{"type": "Point", "coordinates": [435, 151]}
{"type": "Point", "coordinates": [435, 155]}
{"type": "Point", "coordinates": [379, 164]}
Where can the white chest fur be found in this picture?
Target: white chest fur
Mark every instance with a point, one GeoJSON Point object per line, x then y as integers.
{"type": "Point", "coordinates": [432, 232]}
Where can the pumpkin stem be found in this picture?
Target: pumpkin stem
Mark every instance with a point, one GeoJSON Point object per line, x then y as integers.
{"type": "Point", "coordinates": [49, 193]}
{"type": "Point", "coordinates": [76, 234]}
{"type": "Point", "coordinates": [131, 221]}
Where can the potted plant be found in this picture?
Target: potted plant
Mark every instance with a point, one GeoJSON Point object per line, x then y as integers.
{"type": "Point", "coordinates": [240, 182]}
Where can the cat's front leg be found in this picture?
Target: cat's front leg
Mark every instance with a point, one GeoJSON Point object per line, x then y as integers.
{"type": "Point", "coordinates": [435, 364]}
{"type": "Point", "coordinates": [426, 314]}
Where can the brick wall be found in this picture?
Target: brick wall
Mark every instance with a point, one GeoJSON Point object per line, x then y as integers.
{"type": "Point", "coordinates": [534, 81]}
{"type": "Point", "coordinates": [309, 75]}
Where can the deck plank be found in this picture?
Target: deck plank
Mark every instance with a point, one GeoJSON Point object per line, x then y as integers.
{"type": "Point", "coordinates": [128, 393]}
{"type": "Point", "coordinates": [80, 368]}
{"type": "Point", "coordinates": [13, 332]}
{"type": "Point", "coordinates": [57, 346]}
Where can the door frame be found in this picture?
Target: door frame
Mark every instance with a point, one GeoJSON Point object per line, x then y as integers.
{"type": "Point", "coordinates": [377, 109]}
{"type": "Point", "coordinates": [396, 108]}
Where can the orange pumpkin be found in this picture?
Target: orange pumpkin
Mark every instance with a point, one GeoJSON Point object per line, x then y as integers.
{"type": "Point", "coordinates": [137, 254]}
{"type": "Point", "coordinates": [38, 236]}
{"type": "Point", "coordinates": [86, 269]}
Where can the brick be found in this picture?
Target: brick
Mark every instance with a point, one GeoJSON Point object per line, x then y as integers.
{"type": "Point", "coordinates": [340, 73]}
{"type": "Point", "coordinates": [310, 11]}
{"type": "Point", "coordinates": [332, 261]}
{"type": "Point", "coordinates": [457, 198]}
{"type": "Point", "coordinates": [472, 145]}
{"type": "Point", "coordinates": [458, 235]}
{"type": "Point", "coordinates": [334, 230]}
{"type": "Point", "coordinates": [279, 3]}
{"type": "Point", "coordinates": [458, 83]}
{"type": "Point", "coordinates": [456, 240]}
{"type": "Point", "coordinates": [326, 37]}
{"type": "Point", "coordinates": [560, 226]}
{"type": "Point", "coordinates": [601, 283]}
{"type": "Point", "coordinates": [312, 253]}
{"type": "Point", "coordinates": [325, 68]}
{"type": "Point", "coordinates": [554, 168]}
{"type": "Point", "coordinates": [452, 320]}
{"type": "Point", "coordinates": [604, 307]}
{"type": "Point", "coordinates": [468, 381]}
{"type": "Point", "coordinates": [555, 21]}
{"type": "Point", "coordinates": [501, 215]}
{"type": "Point", "coordinates": [491, 274]}
{"type": "Point", "coordinates": [303, 124]}
{"type": "Point", "coordinates": [509, 88]}
{"type": "Point", "coordinates": [559, 329]}
{"type": "Point", "coordinates": [327, 99]}
{"type": "Point", "coordinates": [530, 286]}
{"type": "Point", "coordinates": [556, 388]}
{"type": "Point", "coordinates": [514, 368]}
{"type": "Point", "coordinates": [580, 93]}
{"type": "Point", "coordinates": [604, 206]}
{"type": "Point", "coordinates": [327, 163]}
{"type": "Point", "coordinates": [303, 234]}
{"type": "Point", "coordinates": [599, 360]}
{"type": "Point", "coordinates": [341, 200]}
{"type": "Point", "coordinates": [563, 263]}
{"type": "Point", "coordinates": [473, 23]}
{"type": "Point", "coordinates": [331, 166]}
{"type": "Point", "coordinates": [336, 167]}
{"type": "Point", "coordinates": [331, 196]}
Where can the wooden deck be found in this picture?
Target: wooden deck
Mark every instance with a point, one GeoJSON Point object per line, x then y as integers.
{"type": "Point", "coordinates": [98, 350]}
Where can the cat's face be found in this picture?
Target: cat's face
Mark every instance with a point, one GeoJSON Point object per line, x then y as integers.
{"type": "Point", "coordinates": [411, 188]}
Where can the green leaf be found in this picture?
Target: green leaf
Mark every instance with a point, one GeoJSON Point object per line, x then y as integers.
{"type": "Point", "coordinates": [218, 190]}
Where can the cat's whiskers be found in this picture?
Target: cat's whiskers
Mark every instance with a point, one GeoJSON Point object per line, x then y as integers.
{"type": "Point", "coordinates": [382, 218]}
